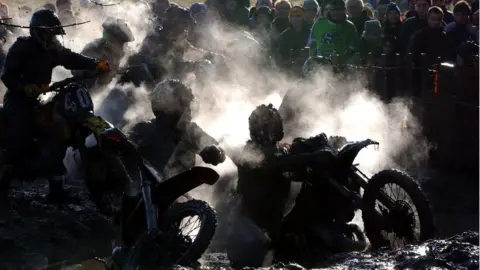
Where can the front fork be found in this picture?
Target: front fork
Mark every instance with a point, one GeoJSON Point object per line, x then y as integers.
{"type": "Point", "coordinates": [150, 208]}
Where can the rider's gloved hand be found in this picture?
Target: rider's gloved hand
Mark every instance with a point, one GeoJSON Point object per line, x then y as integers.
{"type": "Point", "coordinates": [33, 90]}
{"type": "Point", "coordinates": [102, 67]}
{"type": "Point", "coordinates": [213, 155]}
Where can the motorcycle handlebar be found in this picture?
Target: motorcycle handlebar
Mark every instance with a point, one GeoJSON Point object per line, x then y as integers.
{"type": "Point", "coordinates": [57, 86]}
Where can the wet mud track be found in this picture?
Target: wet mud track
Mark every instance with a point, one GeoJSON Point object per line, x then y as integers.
{"type": "Point", "coordinates": [34, 235]}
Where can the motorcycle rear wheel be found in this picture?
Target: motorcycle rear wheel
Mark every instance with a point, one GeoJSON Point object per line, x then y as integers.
{"type": "Point", "coordinates": [141, 253]}
{"type": "Point", "coordinates": [400, 215]}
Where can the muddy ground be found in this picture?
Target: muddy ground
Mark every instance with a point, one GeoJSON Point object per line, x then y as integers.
{"type": "Point", "coordinates": [34, 235]}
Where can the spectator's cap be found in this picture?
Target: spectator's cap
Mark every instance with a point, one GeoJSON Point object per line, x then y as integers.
{"type": "Point", "coordinates": [462, 7]}
{"type": "Point", "coordinates": [51, 7]}
{"type": "Point", "coordinates": [372, 27]}
{"type": "Point", "coordinates": [296, 10]}
{"type": "Point", "coordinates": [310, 4]}
{"type": "Point", "coordinates": [263, 10]}
{"type": "Point", "coordinates": [197, 8]}
{"type": "Point", "coordinates": [393, 7]}
{"type": "Point", "coordinates": [337, 4]}
{"type": "Point", "coordinates": [389, 40]}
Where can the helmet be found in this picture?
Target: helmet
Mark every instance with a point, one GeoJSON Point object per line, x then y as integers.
{"type": "Point", "coordinates": [44, 20]}
{"type": "Point", "coordinates": [265, 124]}
{"type": "Point", "coordinates": [171, 97]}
{"type": "Point", "coordinates": [178, 15]}
{"type": "Point", "coordinates": [118, 29]}
{"type": "Point", "coordinates": [314, 63]}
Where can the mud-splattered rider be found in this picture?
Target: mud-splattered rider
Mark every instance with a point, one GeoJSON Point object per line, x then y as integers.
{"type": "Point", "coordinates": [27, 74]}
{"type": "Point", "coordinates": [263, 189]}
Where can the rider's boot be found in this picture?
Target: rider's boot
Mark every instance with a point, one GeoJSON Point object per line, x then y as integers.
{"type": "Point", "coordinates": [57, 193]}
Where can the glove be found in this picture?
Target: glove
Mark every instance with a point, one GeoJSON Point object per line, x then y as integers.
{"type": "Point", "coordinates": [213, 155]}
{"type": "Point", "coordinates": [33, 90]}
{"type": "Point", "coordinates": [102, 67]}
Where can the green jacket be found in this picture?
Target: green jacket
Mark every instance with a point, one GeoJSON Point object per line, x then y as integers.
{"type": "Point", "coordinates": [327, 37]}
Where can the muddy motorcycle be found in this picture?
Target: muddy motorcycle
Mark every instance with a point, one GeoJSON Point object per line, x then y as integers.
{"type": "Point", "coordinates": [395, 211]}
{"type": "Point", "coordinates": [151, 219]}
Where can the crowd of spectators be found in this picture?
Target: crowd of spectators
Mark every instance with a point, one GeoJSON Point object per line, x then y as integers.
{"type": "Point", "coordinates": [435, 27]}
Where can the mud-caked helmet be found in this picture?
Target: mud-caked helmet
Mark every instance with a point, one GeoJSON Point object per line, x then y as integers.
{"type": "Point", "coordinates": [45, 20]}
{"type": "Point", "coordinates": [315, 63]}
{"type": "Point", "coordinates": [118, 30]}
{"type": "Point", "coordinates": [171, 97]}
{"type": "Point", "coordinates": [44, 26]}
{"type": "Point", "coordinates": [266, 125]}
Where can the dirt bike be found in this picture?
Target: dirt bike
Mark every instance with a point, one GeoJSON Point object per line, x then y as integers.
{"type": "Point", "coordinates": [103, 146]}
{"type": "Point", "coordinates": [334, 197]}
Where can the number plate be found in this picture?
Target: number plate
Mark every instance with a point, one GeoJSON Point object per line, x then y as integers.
{"type": "Point", "coordinates": [96, 124]}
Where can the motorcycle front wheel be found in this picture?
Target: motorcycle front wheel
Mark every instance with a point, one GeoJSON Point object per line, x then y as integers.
{"type": "Point", "coordinates": [169, 247]}
{"type": "Point", "coordinates": [410, 217]}
{"type": "Point", "coordinates": [106, 179]}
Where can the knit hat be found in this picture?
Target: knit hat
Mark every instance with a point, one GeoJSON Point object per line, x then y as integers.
{"type": "Point", "coordinates": [393, 7]}
{"type": "Point", "coordinates": [296, 10]}
{"type": "Point", "coordinates": [310, 4]}
{"type": "Point", "coordinates": [372, 27]}
{"type": "Point", "coordinates": [196, 8]}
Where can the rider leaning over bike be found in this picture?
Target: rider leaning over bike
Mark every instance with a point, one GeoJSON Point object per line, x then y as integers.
{"type": "Point", "coordinates": [27, 74]}
{"type": "Point", "coordinates": [171, 140]}
{"type": "Point", "coordinates": [263, 188]}
{"type": "Point", "coordinates": [112, 46]}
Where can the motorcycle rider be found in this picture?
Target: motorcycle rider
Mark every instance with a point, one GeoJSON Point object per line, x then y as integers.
{"type": "Point", "coordinates": [181, 138]}
{"type": "Point", "coordinates": [163, 49]}
{"type": "Point", "coordinates": [27, 73]}
{"type": "Point", "coordinates": [263, 189]}
{"type": "Point", "coordinates": [112, 46]}
{"type": "Point", "coordinates": [170, 140]}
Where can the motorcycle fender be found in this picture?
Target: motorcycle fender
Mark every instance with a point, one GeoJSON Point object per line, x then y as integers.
{"type": "Point", "coordinates": [91, 141]}
{"type": "Point", "coordinates": [169, 190]}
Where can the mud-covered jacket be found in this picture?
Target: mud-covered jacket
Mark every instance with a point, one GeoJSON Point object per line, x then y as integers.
{"type": "Point", "coordinates": [103, 49]}
{"type": "Point", "coordinates": [262, 188]}
{"type": "Point", "coordinates": [264, 183]}
{"type": "Point", "coordinates": [170, 150]}
{"type": "Point", "coordinates": [28, 62]}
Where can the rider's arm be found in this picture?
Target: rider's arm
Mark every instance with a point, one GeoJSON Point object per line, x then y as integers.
{"type": "Point", "coordinates": [198, 138]}
{"type": "Point", "coordinates": [12, 70]}
{"type": "Point", "coordinates": [72, 60]}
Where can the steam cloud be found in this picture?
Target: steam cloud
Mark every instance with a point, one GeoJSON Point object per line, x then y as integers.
{"type": "Point", "coordinates": [225, 102]}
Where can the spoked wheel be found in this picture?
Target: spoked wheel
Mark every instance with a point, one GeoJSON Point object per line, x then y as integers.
{"type": "Point", "coordinates": [106, 180]}
{"type": "Point", "coordinates": [186, 231]}
{"type": "Point", "coordinates": [407, 210]}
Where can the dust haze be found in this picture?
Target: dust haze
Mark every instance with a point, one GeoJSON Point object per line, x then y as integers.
{"type": "Point", "coordinates": [226, 97]}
